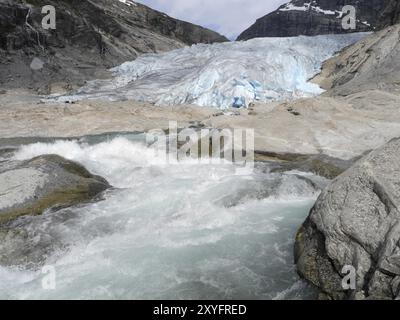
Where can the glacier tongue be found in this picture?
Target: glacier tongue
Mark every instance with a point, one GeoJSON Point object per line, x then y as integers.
{"type": "Point", "coordinates": [222, 75]}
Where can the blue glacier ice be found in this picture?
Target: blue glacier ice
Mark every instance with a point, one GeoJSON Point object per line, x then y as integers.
{"type": "Point", "coordinates": [222, 75]}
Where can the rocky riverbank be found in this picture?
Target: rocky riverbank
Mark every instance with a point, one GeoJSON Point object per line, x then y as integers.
{"type": "Point", "coordinates": [355, 223]}
{"type": "Point", "coordinates": [339, 127]}
{"type": "Point", "coordinates": [33, 186]}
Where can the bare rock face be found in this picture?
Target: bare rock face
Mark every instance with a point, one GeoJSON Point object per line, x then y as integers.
{"type": "Point", "coordinates": [356, 223]}
{"type": "Point", "coordinates": [391, 14]}
{"type": "Point", "coordinates": [306, 17]}
{"type": "Point", "coordinates": [371, 64]}
{"type": "Point", "coordinates": [90, 36]}
{"type": "Point", "coordinates": [31, 187]}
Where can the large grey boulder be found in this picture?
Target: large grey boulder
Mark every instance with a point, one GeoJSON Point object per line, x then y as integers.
{"type": "Point", "coordinates": [30, 187]}
{"type": "Point", "coordinates": [356, 223]}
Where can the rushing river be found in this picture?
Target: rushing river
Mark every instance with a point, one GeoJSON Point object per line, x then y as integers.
{"type": "Point", "coordinates": [165, 231]}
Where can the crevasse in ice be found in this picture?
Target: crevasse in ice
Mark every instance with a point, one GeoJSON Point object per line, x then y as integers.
{"type": "Point", "coordinates": [222, 75]}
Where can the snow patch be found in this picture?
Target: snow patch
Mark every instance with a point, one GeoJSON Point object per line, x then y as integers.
{"type": "Point", "coordinates": [128, 2]}
{"type": "Point", "coordinates": [308, 7]}
{"type": "Point", "coordinates": [292, 7]}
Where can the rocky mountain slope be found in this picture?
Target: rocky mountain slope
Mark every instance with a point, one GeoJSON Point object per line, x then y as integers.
{"type": "Point", "coordinates": [306, 17]}
{"type": "Point", "coordinates": [371, 64]}
{"type": "Point", "coordinates": [90, 36]}
{"type": "Point", "coordinates": [391, 14]}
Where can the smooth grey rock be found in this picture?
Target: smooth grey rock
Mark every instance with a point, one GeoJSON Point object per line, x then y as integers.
{"type": "Point", "coordinates": [31, 187]}
{"type": "Point", "coordinates": [356, 222]}
{"type": "Point", "coordinates": [36, 64]}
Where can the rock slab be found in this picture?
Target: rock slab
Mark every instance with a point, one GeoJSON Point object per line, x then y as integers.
{"type": "Point", "coordinates": [30, 187]}
{"type": "Point", "coordinates": [356, 222]}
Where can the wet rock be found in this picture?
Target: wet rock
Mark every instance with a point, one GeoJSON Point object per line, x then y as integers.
{"type": "Point", "coordinates": [321, 165]}
{"type": "Point", "coordinates": [49, 181]}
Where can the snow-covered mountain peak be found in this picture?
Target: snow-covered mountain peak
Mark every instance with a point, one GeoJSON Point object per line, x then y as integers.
{"type": "Point", "coordinates": [316, 17]}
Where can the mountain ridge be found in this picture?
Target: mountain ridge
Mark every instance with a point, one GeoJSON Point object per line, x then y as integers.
{"type": "Point", "coordinates": [306, 17]}
{"type": "Point", "coordinates": [90, 37]}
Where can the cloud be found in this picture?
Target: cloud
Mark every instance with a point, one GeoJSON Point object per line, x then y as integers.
{"type": "Point", "coordinates": [228, 17]}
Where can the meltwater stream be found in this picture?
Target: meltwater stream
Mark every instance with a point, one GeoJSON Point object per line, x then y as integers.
{"type": "Point", "coordinates": [165, 231]}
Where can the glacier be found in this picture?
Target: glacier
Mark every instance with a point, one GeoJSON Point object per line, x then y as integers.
{"type": "Point", "coordinates": [221, 75]}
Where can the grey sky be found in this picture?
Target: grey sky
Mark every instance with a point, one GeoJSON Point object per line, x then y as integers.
{"type": "Point", "coordinates": [228, 17]}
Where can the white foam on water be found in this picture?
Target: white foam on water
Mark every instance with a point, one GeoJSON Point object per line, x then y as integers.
{"type": "Point", "coordinates": [168, 231]}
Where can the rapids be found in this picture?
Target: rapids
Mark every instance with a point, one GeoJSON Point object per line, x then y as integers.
{"type": "Point", "coordinates": [165, 231]}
